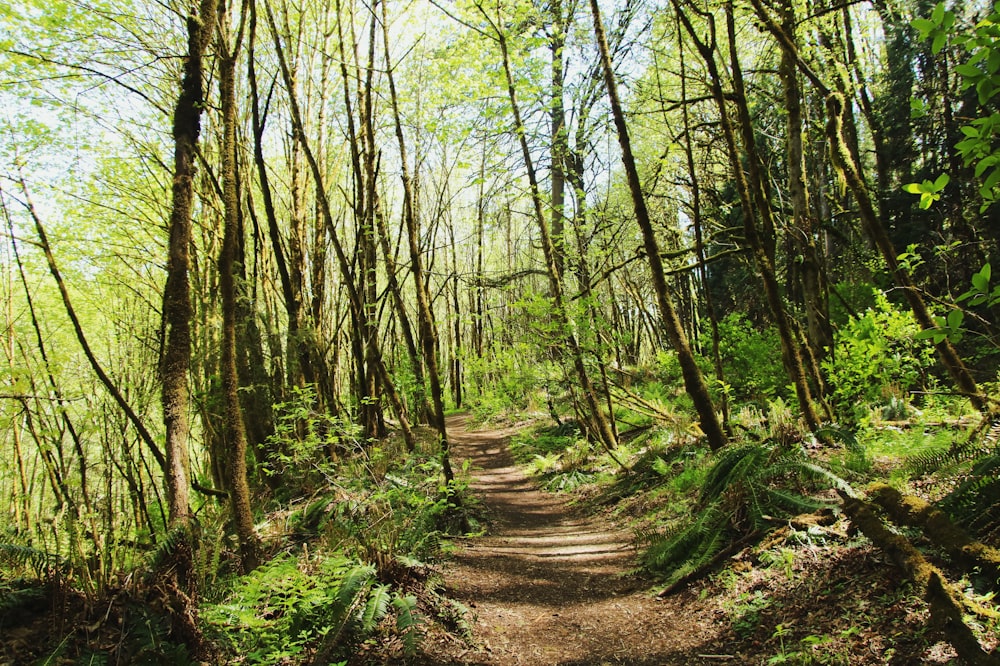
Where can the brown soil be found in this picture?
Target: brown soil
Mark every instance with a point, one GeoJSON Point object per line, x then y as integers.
{"type": "Point", "coordinates": [551, 585]}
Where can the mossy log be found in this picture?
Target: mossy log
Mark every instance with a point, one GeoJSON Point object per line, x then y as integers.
{"type": "Point", "coordinates": [914, 511]}
{"type": "Point", "coordinates": [946, 604]}
{"type": "Point", "coordinates": [946, 615]}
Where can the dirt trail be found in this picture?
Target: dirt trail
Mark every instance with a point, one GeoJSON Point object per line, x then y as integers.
{"type": "Point", "coordinates": [548, 585]}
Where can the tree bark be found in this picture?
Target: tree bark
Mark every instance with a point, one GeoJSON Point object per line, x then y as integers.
{"type": "Point", "coordinates": [177, 310]}
{"type": "Point", "coordinates": [234, 430]}
{"type": "Point", "coordinates": [694, 382]}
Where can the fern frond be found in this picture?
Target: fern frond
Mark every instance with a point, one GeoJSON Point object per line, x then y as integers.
{"type": "Point", "coordinates": [376, 608]}
{"type": "Point", "coordinates": [734, 462]}
{"type": "Point", "coordinates": [407, 621]}
{"type": "Point", "coordinates": [165, 549]}
{"type": "Point", "coordinates": [961, 452]}
{"type": "Point", "coordinates": [19, 555]}
{"type": "Point", "coordinates": [749, 489]}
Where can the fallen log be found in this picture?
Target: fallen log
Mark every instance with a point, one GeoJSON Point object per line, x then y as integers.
{"type": "Point", "coordinates": [916, 512]}
{"type": "Point", "coordinates": [946, 604]}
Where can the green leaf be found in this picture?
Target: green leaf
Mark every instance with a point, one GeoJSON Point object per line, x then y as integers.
{"type": "Point", "coordinates": [955, 319]}
{"type": "Point", "coordinates": [969, 71]}
{"type": "Point", "coordinates": [923, 25]}
{"type": "Point", "coordinates": [992, 180]}
{"type": "Point", "coordinates": [912, 188]}
{"type": "Point", "coordinates": [941, 181]}
{"type": "Point", "coordinates": [981, 280]}
{"type": "Point", "coordinates": [939, 42]}
{"type": "Point", "coordinates": [937, 15]}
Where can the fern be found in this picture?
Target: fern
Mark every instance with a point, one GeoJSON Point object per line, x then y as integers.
{"type": "Point", "coordinates": [950, 460]}
{"type": "Point", "coordinates": [748, 489]}
{"type": "Point", "coordinates": [39, 561]}
{"type": "Point", "coordinates": [975, 503]}
{"type": "Point", "coordinates": [341, 613]}
{"type": "Point", "coordinates": [407, 621]}
{"type": "Point", "coordinates": [376, 608]}
{"type": "Point", "coordinates": [975, 462]}
{"type": "Point", "coordinates": [167, 547]}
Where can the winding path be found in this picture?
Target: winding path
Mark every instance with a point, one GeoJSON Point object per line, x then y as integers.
{"type": "Point", "coordinates": [549, 585]}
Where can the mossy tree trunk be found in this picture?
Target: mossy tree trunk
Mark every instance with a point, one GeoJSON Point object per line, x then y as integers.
{"type": "Point", "coordinates": [694, 381]}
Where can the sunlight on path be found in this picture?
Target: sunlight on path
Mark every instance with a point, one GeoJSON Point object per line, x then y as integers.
{"type": "Point", "coordinates": [548, 585]}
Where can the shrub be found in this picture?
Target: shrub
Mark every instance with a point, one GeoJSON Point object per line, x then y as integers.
{"type": "Point", "coordinates": [877, 361]}
{"type": "Point", "coordinates": [751, 359]}
{"type": "Point", "coordinates": [288, 610]}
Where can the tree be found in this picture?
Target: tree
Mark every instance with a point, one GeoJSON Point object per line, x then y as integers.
{"type": "Point", "coordinates": [693, 379]}
{"type": "Point", "coordinates": [235, 431]}
{"type": "Point", "coordinates": [177, 291]}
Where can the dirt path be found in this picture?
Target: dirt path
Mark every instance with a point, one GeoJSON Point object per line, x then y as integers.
{"type": "Point", "coordinates": [548, 585]}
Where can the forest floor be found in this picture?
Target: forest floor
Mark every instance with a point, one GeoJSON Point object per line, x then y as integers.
{"type": "Point", "coordinates": [555, 583]}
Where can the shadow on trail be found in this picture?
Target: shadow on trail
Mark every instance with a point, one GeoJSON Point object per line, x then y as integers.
{"type": "Point", "coordinates": [549, 585]}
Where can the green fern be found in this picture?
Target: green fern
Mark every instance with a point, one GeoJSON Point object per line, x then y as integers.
{"type": "Point", "coordinates": [951, 460]}
{"type": "Point", "coordinates": [341, 613]}
{"type": "Point", "coordinates": [167, 547]}
{"type": "Point", "coordinates": [376, 608]}
{"type": "Point", "coordinates": [747, 491]}
{"type": "Point", "coordinates": [39, 561]}
{"type": "Point", "coordinates": [975, 503]}
{"type": "Point", "coordinates": [407, 621]}
{"type": "Point", "coordinates": [975, 462]}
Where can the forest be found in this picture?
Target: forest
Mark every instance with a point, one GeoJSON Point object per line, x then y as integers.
{"type": "Point", "coordinates": [296, 292]}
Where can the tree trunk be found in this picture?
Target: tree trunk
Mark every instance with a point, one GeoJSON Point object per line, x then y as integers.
{"type": "Point", "coordinates": [357, 305]}
{"type": "Point", "coordinates": [693, 380]}
{"type": "Point", "coordinates": [177, 309]}
{"type": "Point", "coordinates": [811, 271]}
{"type": "Point", "coordinates": [428, 331]}
{"type": "Point", "coordinates": [697, 223]}
{"type": "Point", "coordinates": [235, 432]}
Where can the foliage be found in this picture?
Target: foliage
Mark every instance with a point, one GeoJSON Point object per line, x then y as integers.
{"type": "Point", "coordinates": [878, 358]}
{"type": "Point", "coordinates": [751, 359]}
{"type": "Point", "coordinates": [543, 442]}
{"type": "Point", "coordinates": [749, 487]}
{"type": "Point", "coordinates": [979, 73]}
{"type": "Point", "coordinates": [929, 191]}
{"type": "Point", "coordinates": [16, 556]}
{"type": "Point", "coordinates": [509, 381]}
{"type": "Point", "coordinates": [305, 442]}
{"type": "Point", "coordinates": [291, 608]}
{"type": "Point", "coordinates": [970, 471]}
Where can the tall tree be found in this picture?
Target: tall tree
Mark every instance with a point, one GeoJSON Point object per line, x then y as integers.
{"type": "Point", "coordinates": [234, 429]}
{"type": "Point", "coordinates": [177, 290]}
{"type": "Point", "coordinates": [693, 379]}
{"type": "Point", "coordinates": [428, 330]}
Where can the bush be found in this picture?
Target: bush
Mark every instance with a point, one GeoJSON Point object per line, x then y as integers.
{"type": "Point", "coordinates": [290, 609]}
{"type": "Point", "coordinates": [751, 359]}
{"type": "Point", "coordinates": [877, 361]}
